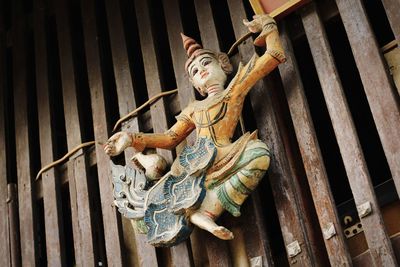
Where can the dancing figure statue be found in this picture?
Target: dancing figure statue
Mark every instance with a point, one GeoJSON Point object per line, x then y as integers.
{"type": "Point", "coordinates": [213, 175]}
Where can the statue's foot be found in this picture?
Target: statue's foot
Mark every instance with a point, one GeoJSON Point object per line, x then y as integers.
{"type": "Point", "coordinates": [222, 233]}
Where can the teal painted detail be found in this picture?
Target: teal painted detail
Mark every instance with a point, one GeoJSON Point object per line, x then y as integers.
{"type": "Point", "coordinates": [238, 185]}
{"type": "Point", "coordinates": [227, 202]}
{"type": "Point", "coordinates": [247, 156]}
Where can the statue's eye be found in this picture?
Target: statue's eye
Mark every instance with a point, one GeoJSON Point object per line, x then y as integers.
{"type": "Point", "coordinates": [194, 71]}
{"type": "Point", "coordinates": [206, 62]}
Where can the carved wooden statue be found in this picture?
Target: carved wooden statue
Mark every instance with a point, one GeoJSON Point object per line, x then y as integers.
{"type": "Point", "coordinates": [213, 175]}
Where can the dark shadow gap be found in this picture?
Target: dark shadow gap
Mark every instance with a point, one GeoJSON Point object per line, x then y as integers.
{"type": "Point", "coordinates": [134, 51]}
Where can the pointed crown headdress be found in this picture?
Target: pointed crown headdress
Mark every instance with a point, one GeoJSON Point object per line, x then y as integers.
{"type": "Point", "coordinates": [193, 50]}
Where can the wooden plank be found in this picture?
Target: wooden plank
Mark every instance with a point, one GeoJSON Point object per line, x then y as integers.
{"type": "Point", "coordinates": [82, 218]}
{"type": "Point", "coordinates": [178, 53]}
{"type": "Point", "coordinates": [291, 212]}
{"type": "Point", "coordinates": [13, 232]}
{"type": "Point", "coordinates": [111, 218]}
{"type": "Point", "coordinates": [349, 145]}
{"type": "Point", "coordinates": [185, 93]}
{"type": "Point", "coordinates": [180, 254]}
{"type": "Point", "coordinates": [312, 158]}
{"type": "Point", "coordinates": [29, 250]}
{"type": "Point", "coordinates": [392, 8]}
{"type": "Point", "coordinates": [5, 259]}
{"type": "Point", "coordinates": [260, 245]}
{"type": "Point", "coordinates": [153, 78]}
{"type": "Point", "coordinates": [174, 27]}
{"type": "Point", "coordinates": [208, 32]}
{"type": "Point", "coordinates": [378, 86]}
{"type": "Point", "coordinates": [217, 250]}
{"type": "Point", "coordinates": [54, 228]}
{"type": "Point", "coordinates": [126, 102]}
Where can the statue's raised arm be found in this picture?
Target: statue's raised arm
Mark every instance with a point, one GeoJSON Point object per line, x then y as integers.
{"type": "Point", "coordinates": [216, 173]}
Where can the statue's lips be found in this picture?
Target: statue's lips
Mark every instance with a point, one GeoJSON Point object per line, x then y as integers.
{"type": "Point", "coordinates": [204, 74]}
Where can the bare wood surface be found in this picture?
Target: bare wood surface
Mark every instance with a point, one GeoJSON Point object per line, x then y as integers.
{"type": "Point", "coordinates": [349, 145]}
{"type": "Point", "coordinates": [153, 77]}
{"type": "Point", "coordinates": [174, 27]}
{"type": "Point", "coordinates": [260, 244]}
{"type": "Point", "coordinates": [292, 216]}
{"type": "Point", "coordinates": [13, 231]}
{"type": "Point", "coordinates": [111, 218]}
{"type": "Point", "coordinates": [5, 259]}
{"type": "Point", "coordinates": [180, 253]}
{"type": "Point", "coordinates": [185, 94]}
{"type": "Point", "coordinates": [145, 253]}
{"type": "Point", "coordinates": [29, 252]}
{"type": "Point", "coordinates": [381, 94]}
{"type": "Point", "coordinates": [218, 253]}
{"type": "Point", "coordinates": [82, 218]}
{"type": "Point", "coordinates": [392, 8]}
{"type": "Point", "coordinates": [54, 228]}
{"type": "Point", "coordinates": [208, 32]}
{"type": "Point", "coordinates": [312, 157]}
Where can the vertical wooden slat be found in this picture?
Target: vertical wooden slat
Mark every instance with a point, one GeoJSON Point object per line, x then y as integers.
{"type": "Point", "coordinates": [82, 219]}
{"type": "Point", "coordinates": [185, 89]}
{"type": "Point", "coordinates": [209, 38]}
{"type": "Point", "coordinates": [126, 102]}
{"type": "Point", "coordinates": [25, 190]}
{"type": "Point", "coordinates": [286, 190]}
{"type": "Point", "coordinates": [13, 235]}
{"type": "Point", "coordinates": [392, 8]}
{"type": "Point", "coordinates": [153, 76]}
{"type": "Point", "coordinates": [261, 245]}
{"type": "Point", "coordinates": [111, 219]}
{"type": "Point", "coordinates": [349, 145]}
{"type": "Point", "coordinates": [54, 229]}
{"type": "Point", "coordinates": [381, 95]}
{"type": "Point", "coordinates": [5, 259]}
{"type": "Point", "coordinates": [206, 22]}
{"type": "Point", "coordinates": [174, 28]}
{"type": "Point", "coordinates": [312, 157]}
{"type": "Point", "coordinates": [180, 253]}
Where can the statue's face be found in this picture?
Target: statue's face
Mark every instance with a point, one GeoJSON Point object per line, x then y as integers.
{"type": "Point", "coordinates": [206, 73]}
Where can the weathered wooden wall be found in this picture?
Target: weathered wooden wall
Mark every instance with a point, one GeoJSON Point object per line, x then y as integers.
{"type": "Point", "coordinates": [330, 114]}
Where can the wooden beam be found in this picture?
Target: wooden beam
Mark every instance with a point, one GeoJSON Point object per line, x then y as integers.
{"type": "Point", "coordinates": [312, 158]}
{"type": "Point", "coordinates": [260, 243]}
{"type": "Point", "coordinates": [145, 253]}
{"type": "Point", "coordinates": [290, 207]}
{"type": "Point", "coordinates": [180, 254]}
{"type": "Point", "coordinates": [54, 228]}
{"type": "Point", "coordinates": [111, 218]}
{"type": "Point", "coordinates": [5, 259]}
{"type": "Point", "coordinates": [208, 32]}
{"type": "Point", "coordinates": [392, 8]}
{"type": "Point", "coordinates": [174, 27]}
{"type": "Point", "coordinates": [29, 250]}
{"type": "Point", "coordinates": [77, 170]}
{"type": "Point", "coordinates": [349, 145]}
{"type": "Point", "coordinates": [152, 72]}
{"type": "Point", "coordinates": [217, 250]}
{"type": "Point", "coordinates": [378, 85]}
{"type": "Point", "coordinates": [13, 234]}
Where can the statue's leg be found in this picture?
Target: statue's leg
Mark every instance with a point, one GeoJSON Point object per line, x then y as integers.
{"type": "Point", "coordinates": [251, 167]}
{"type": "Point", "coordinates": [206, 215]}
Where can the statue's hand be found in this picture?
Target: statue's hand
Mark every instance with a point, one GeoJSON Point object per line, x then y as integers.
{"type": "Point", "coordinates": [117, 143]}
{"type": "Point", "coordinates": [261, 23]}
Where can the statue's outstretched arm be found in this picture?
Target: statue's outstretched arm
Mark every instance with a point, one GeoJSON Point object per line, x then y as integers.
{"type": "Point", "coordinates": [167, 140]}
{"type": "Point", "coordinates": [258, 67]}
